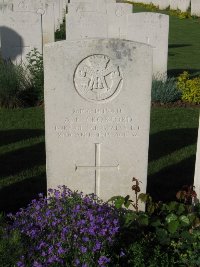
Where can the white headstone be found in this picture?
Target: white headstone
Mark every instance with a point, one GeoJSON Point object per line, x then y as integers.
{"type": "Point", "coordinates": [39, 7]}
{"type": "Point", "coordinates": [97, 114]}
{"type": "Point", "coordinates": [183, 5]}
{"type": "Point", "coordinates": [151, 28]}
{"type": "Point", "coordinates": [97, 20]}
{"type": "Point", "coordinates": [195, 8]}
{"type": "Point", "coordinates": [173, 4]}
{"type": "Point", "coordinates": [48, 27]}
{"type": "Point", "coordinates": [163, 4]}
{"type": "Point", "coordinates": [20, 32]}
{"type": "Point", "coordinates": [197, 166]}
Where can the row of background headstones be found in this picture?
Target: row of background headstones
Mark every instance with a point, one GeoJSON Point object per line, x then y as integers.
{"type": "Point", "coordinates": [108, 19]}
{"type": "Point", "coordinates": [25, 25]}
{"type": "Point", "coordinates": [29, 24]}
{"type": "Point", "coordinates": [182, 5]}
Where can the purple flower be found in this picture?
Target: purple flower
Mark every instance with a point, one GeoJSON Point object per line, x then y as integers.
{"type": "Point", "coordinates": [67, 226]}
{"type": "Point", "coordinates": [103, 260]}
{"type": "Point", "coordinates": [83, 249]}
{"type": "Point", "coordinates": [97, 246]}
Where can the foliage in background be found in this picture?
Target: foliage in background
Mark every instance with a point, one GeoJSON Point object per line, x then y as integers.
{"type": "Point", "coordinates": [60, 34]}
{"type": "Point", "coordinates": [36, 70]}
{"type": "Point", "coordinates": [167, 234]}
{"type": "Point", "coordinates": [165, 91]}
{"type": "Point", "coordinates": [14, 85]}
{"type": "Point", "coordinates": [177, 13]}
{"type": "Point", "coordinates": [190, 88]}
{"type": "Point", "coordinates": [22, 85]}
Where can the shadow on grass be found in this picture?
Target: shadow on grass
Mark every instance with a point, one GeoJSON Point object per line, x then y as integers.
{"type": "Point", "coordinates": [166, 183]}
{"type": "Point", "coordinates": [20, 194]}
{"type": "Point", "coordinates": [177, 72]}
{"type": "Point", "coordinates": [178, 45]}
{"type": "Point", "coordinates": [166, 142]}
{"type": "Point", "coordinates": [13, 136]}
{"type": "Point", "coordinates": [22, 159]}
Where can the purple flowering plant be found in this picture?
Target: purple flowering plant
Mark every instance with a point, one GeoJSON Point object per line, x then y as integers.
{"type": "Point", "coordinates": [67, 229]}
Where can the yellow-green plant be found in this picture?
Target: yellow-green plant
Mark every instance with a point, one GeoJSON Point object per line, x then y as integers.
{"type": "Point", "coordinates": [190, 88]}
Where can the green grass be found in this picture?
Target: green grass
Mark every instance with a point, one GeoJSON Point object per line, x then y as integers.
{"type": "Point", "coordinates": [184, 44]}
{"type": "Point", "coordinates": [22, 156]}
{"type": "Point", "coordinates": [22, 153]}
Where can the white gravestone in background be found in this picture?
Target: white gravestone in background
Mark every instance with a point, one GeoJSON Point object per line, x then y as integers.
{"type": "Point", "coordinates": [152, 29]}
{"type": "Point", "coordinates": [195, 8]}
{"type": "Point", "coordinates": [20, 32]}
{"type": "Point", "coordinates": [97, 115]}
{"type": "Point", "coordinates": [173, 4]}
{"type": "Point", "coordinates": [94, 21]}
{"type": "Point", "coordinates": [183, 5]}
{"type": "Point", "coordinates": [119, 22]}
{"type": "Point", "coordinates": [43, 8]}
{"type": "Point", "coordinates": [197, 166]}
{"type": "Point", "coordinates": [163, 4]}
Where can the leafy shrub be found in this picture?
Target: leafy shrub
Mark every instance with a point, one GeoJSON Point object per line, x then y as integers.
{"type": "Point", "coordinates": [15, 87]}
{"type": "Point", "coordinates": [67, 229]}
{"type": "Point", "coordinates": [165, 91]}
{"type": "Point", "coordinates": [167, 234]}
{"type": "Point", "coordinates": [179, 14]}
{"type": "Point", "coordinates": [36, 71]}
{"type": "Point", "coordinates": [190, 88]}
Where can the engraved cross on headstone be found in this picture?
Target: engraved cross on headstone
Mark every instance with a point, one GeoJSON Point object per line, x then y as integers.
{"type": "Point", "coordinates": [97, 168]}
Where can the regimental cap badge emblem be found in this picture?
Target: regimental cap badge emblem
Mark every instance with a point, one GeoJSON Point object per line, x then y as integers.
{"type": "Point", "coordinates": [97, 79]}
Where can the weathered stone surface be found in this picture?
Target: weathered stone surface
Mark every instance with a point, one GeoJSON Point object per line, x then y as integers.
{"type": "Point", "coordinates": [152, 29]}
{"type": "Point", "coordinates": [195, 8]}
{"type": "Point", "coordinates": [97, 110]}
{"type": "Point", "coordinates": [16, 37]}
{"type": "Point", "coordinates": [197, 166]}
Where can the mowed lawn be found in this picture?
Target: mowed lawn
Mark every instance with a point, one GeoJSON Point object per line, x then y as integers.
{"type": "Point", "coordinates": [22, 154]}
{"type": "Point", "coordinates": [184, 44]}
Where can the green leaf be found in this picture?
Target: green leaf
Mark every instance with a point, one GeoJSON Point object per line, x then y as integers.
{"type": "Point", "coordinates": [184, 220]}
{"type": "Point", "coordinates": [181, 209]}
{"type": "Point", "coordinates": [162, 236]}
{"type": "Point", "coordinates": [143, 219]}
{"type": "Point", "coordinates": [130, 217]}
{"type": "Point", "coordinates": [191, 217]}
{"type": "Point", "coordinates": [143, 197]}
{"type": "Point", "coordinates": [127, 201]}
{"type": "Point", "coordinates": [156, 222]}
{"type": "Point", "coordinates": [173, 226]}
{"type": "Point", "coordinates": [171, 217]}
{"type": "Point", "coordinates": [172, 206]}
{"type": "Point", "coordinates": [119, 202]}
